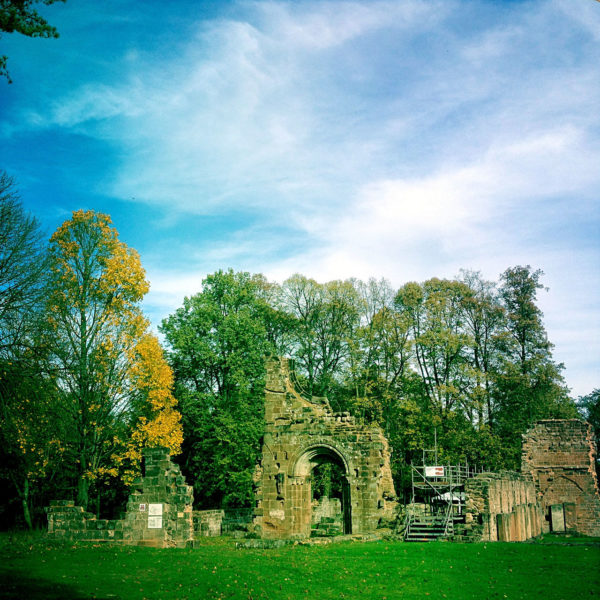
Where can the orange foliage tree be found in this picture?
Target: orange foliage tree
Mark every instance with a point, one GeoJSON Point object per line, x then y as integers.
{"type": "Point", "coordinates": [109, 368]}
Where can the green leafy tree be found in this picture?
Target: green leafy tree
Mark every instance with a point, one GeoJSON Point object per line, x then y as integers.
{"type": "Point", "coordinates": [326, 318]}
{"type": "Point", "coordinates": [483, 320]}
{"type": "Point", "coordinates": [528, 383]}
{"type": "Point", "coordinates": [383, 367]}
{"type": "Point", "coordinates": [217, 342]}
{"type": "Point", "coordinates": [440, 340]}
{"type": "Point", "coordinates": [32, 431]}
{"type": "Point", "coordinates": [20, 16]}
{"type": "Point", "coordinates": [29, 424]}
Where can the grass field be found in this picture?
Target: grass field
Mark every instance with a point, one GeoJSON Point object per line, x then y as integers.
{"type": "Point", "coordinates": [35, 568]}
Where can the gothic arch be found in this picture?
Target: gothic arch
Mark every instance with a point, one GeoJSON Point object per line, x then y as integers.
{"type": "Point", "coordinates": [299, 434]}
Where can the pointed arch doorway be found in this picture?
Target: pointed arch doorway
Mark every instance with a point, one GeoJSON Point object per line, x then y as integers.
{"type": "Point", "coordinates": [323, 472]}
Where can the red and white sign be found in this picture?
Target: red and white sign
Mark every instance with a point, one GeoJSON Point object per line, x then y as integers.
{"type": "Point", "coordinates": [434, 471]}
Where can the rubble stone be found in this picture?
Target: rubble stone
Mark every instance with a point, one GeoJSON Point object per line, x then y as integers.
{"type": "Point", "coordinates": [159, 511]}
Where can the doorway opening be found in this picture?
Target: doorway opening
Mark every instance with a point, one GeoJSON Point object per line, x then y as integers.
{"type": "Point", "coordinates": [330, 496]}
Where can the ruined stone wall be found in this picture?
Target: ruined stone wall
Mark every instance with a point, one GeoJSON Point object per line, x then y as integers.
{"type": "Point", "coordinates": [236, 521]}
{"type": "Point", "coordinates": [560, 456]}
{"type": "Point", "coordinates": [208, 523]}
{"type": "Point", "coordinates": [70, 522]}
{"type": "Point", "coordinates": [501, 507]}
{"type": "Point", "coordinates": [300, 433]}
{"type": "Point", "coordinates": [159, 511]}
{"type": "Point", "coordinates": [326, 508]}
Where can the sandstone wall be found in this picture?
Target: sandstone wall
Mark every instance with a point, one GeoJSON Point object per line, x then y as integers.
{"type": "Point", "coordinates": [159, 511]}
{"type": "Point", "coordinates": [501, 507]}
{"type": "Point", "coordinates": [300, 433]}
{"type": "Point", "coordinates": [67, 521]}
{"type": "Point", "coordinates": [560, 456]}
{"type": "Point", "coordinates": [208, 523]}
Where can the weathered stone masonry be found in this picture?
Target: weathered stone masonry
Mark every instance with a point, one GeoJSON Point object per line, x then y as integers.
{"type": "Point", "coordinates": [560, 455]}
{"type": "Point", "coordinates": [501, 507]}
{"type": "Point", "coordinates": [159, 511]}
{"type": "Point", "coordinates": [301, 433]}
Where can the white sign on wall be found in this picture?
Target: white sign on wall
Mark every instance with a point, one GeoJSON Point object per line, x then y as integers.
{"type": "Point", "coordinates": [154, 522]}
{"type": "Point", "coordinates": [155, 510]}
{"type": "Point", "coordinates": [143, 508]}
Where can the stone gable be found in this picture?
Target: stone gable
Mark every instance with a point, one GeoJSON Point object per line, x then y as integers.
{"type": "Point", "coordinates": [560, 456]}
{"type": "Point", "coordinates": [301, 433]}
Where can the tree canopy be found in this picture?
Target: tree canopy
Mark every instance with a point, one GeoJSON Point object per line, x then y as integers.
{"type": "Point", "coordinates": [85, 384]}
{"type": "Point", "coordinates": [218, 341]}
{"type": "Point", "coordinates": [21, 16]}
{"type": "Point", "coordinates": [464, 361]}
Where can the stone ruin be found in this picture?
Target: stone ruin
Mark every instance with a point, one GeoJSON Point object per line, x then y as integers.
{"type": "Point", "coordinates": [560, 458]}
{"type": "Point", "coordinates": [301, 434]}
{"type": "Point", "coordinates": [159, 511]}
{"type": "Point", "coordinates": [557, 489]}
{"type": "Point", "coordinates": [500, 507]}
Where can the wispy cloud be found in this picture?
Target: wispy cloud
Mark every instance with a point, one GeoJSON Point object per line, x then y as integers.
{"type": "Point", "coordinates": [398, 139]}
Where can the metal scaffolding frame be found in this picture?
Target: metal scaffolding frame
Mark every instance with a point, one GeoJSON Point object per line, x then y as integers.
{"type": "Point", "coordinates": [441, 490]}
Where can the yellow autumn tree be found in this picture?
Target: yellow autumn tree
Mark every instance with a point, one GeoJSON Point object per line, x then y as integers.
{"type": "Point", "coordinates": [108, 368]}
{"type": "Point", "coordinates": [156, 422]}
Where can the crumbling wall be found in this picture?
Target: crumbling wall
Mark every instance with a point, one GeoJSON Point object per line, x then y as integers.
{"type": "Point", "coordinates": [159, 511]}
{"type": "Point", "coordinates": [501, 507]}
{"type": "Point", "coordinates": [301, 433]}
{"type": "Point", "coordinates": [560, 456]}
{"type": "Point", "coordinates": [326, 508]}
{"type": "Point", "coordinates": [208, 523]}
{"type": "Point", "coordinates": [67, 521]}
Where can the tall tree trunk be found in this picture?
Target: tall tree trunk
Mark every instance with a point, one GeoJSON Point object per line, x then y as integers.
{"type": "Point", "coordinates": [25, 503]}
{"type": "Point", "coordinates": [83, 486]}
{"type": "Point", "coordinates": [23, 493]}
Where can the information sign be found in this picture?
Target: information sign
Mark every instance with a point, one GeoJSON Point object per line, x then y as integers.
{"type": "Point", "coordinates": [432, 472]}
{"type": "Point", "coordinates": [154, 522]}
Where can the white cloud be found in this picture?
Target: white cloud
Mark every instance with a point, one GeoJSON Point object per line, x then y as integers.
{"type": "Point", "coordinates": [330, 24]}
{"type": "Point", "coordinates": [397, 139]}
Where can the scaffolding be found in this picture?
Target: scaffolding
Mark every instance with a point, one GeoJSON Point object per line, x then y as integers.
{"type": "Point", "coordinates": [437, 498]}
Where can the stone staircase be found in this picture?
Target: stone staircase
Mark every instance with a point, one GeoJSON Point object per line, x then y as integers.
{"type": "Point", "coordinates": [428, 528]}
{"type": "Point", "coordinates": [327, 527]}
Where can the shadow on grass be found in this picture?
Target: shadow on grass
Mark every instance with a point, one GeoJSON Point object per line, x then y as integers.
{"type": "Point", "coordinates": [19, 585]}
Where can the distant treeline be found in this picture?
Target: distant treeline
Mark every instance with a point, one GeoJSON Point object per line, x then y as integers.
{"type": "Point", "coordinates": [85, 385]}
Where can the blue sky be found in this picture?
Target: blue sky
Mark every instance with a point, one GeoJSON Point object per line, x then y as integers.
{"type": "Point", "coordinates": [401, 139]}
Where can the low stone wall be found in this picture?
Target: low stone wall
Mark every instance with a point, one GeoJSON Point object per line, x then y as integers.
{"type": "Point", "coordinates": [159, 511]}
{"type": "Point", "coordinates": [501, 507]}
{"type": "Point", "coordinates": [237, 520]}
{"type": "Point", "coordinates": [208, 523]}
{"type": "Point", "coordinates": [67, 521]}
{"type": "Point", "coordinates": [326, 508]}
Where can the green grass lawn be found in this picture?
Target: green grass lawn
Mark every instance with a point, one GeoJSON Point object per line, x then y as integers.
{"type": "Point", "coordinates": [35, 568]}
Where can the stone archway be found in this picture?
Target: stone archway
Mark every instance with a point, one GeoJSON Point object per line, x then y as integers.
{"type": "Point", "coordinates": [299, 434]}
{"type": "Point", "coordinates": [302, 470]}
